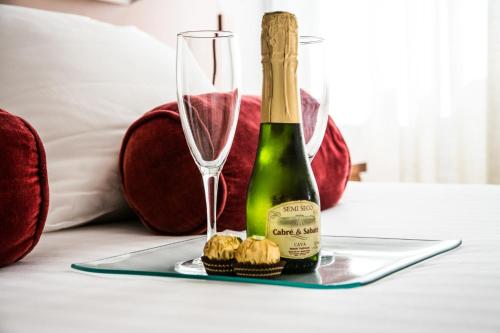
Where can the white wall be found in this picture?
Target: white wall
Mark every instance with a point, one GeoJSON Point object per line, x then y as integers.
{"type": "Point", "coordinates": [494, 91]}
{"type": "Point", "coordinates": [244, 18]}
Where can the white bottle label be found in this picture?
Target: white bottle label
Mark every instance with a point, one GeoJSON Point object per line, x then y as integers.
{"type": "Point", "coordinates": [295, 227]}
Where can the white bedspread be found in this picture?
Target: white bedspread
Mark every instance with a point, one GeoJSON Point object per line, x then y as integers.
{"type": "Point", "coordinates": [455, 292]}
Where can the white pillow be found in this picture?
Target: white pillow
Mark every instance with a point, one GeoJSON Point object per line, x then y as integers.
{"type": "Point", "coordinates": [80, 83]}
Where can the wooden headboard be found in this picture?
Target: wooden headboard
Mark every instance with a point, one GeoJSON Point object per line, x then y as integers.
{"type": "Point", "coordinates": [160, 18]}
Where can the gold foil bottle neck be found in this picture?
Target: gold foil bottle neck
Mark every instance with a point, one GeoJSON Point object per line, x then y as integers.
{"type": "Point", "coordinates": [279, 36]}
{"type": "Point", "coordinates": [279, 43]}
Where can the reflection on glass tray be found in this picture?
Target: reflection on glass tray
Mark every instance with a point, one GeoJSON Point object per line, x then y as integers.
{"type": "Point", "coordinates": [346, 262]}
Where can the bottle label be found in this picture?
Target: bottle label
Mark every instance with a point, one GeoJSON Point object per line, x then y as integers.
{"type": "Point", "coordinates": [294, 227]}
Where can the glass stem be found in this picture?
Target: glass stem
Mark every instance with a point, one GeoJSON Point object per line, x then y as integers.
{"type": "Point", "coordinates": [210, 183]}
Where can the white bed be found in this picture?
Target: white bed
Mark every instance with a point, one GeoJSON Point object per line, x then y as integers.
{"type": "Point", "coordinates": [455, 292]}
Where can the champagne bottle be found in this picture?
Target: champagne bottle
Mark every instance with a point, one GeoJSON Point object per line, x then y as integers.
{"type": "Point", "coordinates": [282, 199]}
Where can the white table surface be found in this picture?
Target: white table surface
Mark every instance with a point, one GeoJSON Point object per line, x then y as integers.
{"type": "Point", "coordinates": [455, 292]}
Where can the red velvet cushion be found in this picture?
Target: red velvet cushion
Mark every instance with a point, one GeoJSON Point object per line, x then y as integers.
{"type": "Point", "coordinates": [24, 192]}
{"type": "Point", "coordinates": [163, 186]}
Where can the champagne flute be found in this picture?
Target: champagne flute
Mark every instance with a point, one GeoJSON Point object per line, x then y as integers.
{"type": "Point", "coordinates": [313, 83]}
{"type": "Point", "coordinates": [208, 95]}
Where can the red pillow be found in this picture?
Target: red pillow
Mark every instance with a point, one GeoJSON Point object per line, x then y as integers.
{"type": "Point", "coordinates": [163, 186]}
{"type": "Point", "coordinates": [24, 191]}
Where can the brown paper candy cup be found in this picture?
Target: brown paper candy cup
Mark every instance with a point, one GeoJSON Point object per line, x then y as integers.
{"type": "Point", "coordinates": [218, 267]}
{"type": "Point", "coordinates": [262, 271]}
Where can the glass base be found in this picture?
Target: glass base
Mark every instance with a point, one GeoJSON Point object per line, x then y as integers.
{"type": "Point", "coordinates": [190, 267]}
{"type": "Point", "coordinates": [346, 262]}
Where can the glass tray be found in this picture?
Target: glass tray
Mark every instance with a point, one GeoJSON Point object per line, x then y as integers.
{"type": "Point", "coordinates": [346, 262]}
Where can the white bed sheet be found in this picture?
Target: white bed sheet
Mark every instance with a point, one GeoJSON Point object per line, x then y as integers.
{"type": "Point", "coordinates": [455, 292]}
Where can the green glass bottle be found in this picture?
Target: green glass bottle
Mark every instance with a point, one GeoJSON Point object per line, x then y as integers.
{"type": "Point", "coordinates": [282, 201]}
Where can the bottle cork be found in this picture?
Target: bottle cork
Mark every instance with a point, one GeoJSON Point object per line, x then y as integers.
{"type": "Point", "coordinates": [279, 43]}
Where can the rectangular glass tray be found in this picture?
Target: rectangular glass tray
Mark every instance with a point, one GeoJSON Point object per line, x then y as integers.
{"type": "Point", "coordinates": [346, 262]}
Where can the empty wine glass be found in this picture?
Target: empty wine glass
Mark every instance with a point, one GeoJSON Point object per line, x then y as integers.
{"type": "Point", "coordinates": [313, 83]}
{"type": "Point", "coordinates": [208, 95]}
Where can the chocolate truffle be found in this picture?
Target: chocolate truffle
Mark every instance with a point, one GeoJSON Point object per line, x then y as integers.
{"type": "Point", "coordinates": [258, 257]}
{"type": "Point", "coordinates": [218, 254]}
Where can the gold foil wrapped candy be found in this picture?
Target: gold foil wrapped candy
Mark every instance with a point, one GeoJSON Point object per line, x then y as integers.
{"type": "Point", "coordinates": [258, 251]}
{"type": "Point", "coordinates": [221, 247]}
